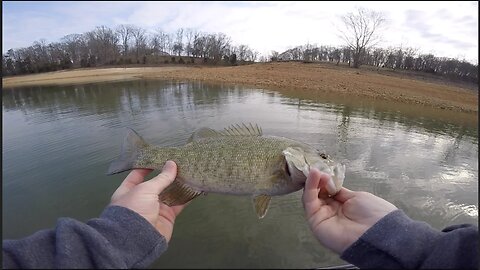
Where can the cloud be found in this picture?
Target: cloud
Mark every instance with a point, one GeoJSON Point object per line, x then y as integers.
{"type": "Point", "coordinates": [52, 20]}
{"type": "Point", "coordinates": [264, 26]}
{"type": "Point", "coordinates": [445, 31]}
{"type": "Point", "coordinates": [416, 21]}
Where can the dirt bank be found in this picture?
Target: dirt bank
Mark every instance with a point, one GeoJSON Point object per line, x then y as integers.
{"type": "Point", "coordinates": [305, 79]}
{"type": "Point", "coordinates": [84, 76]}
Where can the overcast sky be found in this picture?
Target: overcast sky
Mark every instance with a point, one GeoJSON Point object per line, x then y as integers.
{"type": "Point", "coordinates": [448, 29]}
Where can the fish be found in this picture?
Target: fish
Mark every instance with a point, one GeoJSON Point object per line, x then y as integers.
{"type": "Point", "coordinates": [238, 160]}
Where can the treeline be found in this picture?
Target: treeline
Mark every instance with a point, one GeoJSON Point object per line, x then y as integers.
{"type": "Point", "coordinates": [391, 58]}
{"type": "Point", "coordinates": [129, 44]}
{"type": "Point", "coordinates": [125, 44]}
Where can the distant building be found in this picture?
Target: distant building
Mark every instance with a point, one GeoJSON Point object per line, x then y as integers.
{"type": "Point", "coordinates": [285, 56]}
{"type": "Point", "coordinates": [160, 53]}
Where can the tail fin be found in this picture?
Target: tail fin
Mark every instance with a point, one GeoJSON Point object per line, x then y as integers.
{"type": "Point", "coordinates": [132, 145]}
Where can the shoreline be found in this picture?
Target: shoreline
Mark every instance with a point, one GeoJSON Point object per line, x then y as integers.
{"type": "Point", "coordinates": [306, 80]}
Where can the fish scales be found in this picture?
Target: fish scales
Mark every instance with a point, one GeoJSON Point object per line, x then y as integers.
{"type": "Point", "coordinates": [238, 165]}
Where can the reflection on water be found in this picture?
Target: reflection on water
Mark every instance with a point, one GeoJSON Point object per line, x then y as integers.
{"type": "Point", "coordinates": [58, 142]}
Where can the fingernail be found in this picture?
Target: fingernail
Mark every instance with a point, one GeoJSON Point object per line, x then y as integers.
{"type": "Point", "coordinates": [170, 164]}
{"type": "Point", "coordinates": [167, 164]}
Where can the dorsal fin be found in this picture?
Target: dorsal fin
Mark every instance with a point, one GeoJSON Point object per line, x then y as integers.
{"type": "Point", "coordinates": [233, 130]}
{"type": "Point", "coordinates": [243, 130]}
{"type": "Point", "coordinates": [204, 133]}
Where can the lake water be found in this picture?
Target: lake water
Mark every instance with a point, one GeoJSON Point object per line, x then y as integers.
{"type": "Point", "coordinates": [59, 140]}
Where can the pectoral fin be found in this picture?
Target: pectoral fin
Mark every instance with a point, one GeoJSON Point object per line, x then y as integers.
{"type": "Point", "coordinates": [261, 203]}
{"type": "Point", "coordinates": [177, 193]}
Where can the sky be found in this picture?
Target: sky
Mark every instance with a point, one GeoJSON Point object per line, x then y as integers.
{"type": "Point", "coordinates": [445, 29]}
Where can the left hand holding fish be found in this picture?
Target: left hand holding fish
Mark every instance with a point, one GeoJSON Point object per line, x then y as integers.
{"type": "Point", "coordinates": [338, 221]}
{"type": "Point", "coordinates": [142, 197]}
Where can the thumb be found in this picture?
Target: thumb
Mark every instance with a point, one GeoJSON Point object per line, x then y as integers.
{"type": "Point", "coordinates": [165, 178]}
{"type": "Point", "coordinates": [344, 195]}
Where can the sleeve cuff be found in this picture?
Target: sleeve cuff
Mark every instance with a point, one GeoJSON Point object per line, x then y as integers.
{"type": "Point", "coordinates": [140, 242]}
{"type": "Point", "coordinates": [395, 241]}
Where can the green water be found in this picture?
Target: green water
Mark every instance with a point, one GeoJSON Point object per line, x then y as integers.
{"type": "Point", "coordinates": [58, 142]}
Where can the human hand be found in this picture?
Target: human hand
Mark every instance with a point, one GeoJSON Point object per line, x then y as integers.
{"type": "Point", "coordinates": [338, 221]}
{"type": "Point", "coordinates": [142, 197]}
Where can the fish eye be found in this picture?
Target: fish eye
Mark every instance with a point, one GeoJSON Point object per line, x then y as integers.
{"type": "Point", "coordinates": [323, 155]}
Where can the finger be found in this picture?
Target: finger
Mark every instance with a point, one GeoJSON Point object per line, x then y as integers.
{"type": "Point", "coordinates": [167, 212]}
{"type": "Point", "coordinates": [134, 178]}
{"type": "Point", "coordinates": [311, 189]}
{"type": "Point", "coordinates": [344, 194]}
{"type": "Point", "coordinates": [165, 178]}
{"type": "Point", "coordinates": [170, 212]}
{"type": "Point", "coordinates": [178, 208]}
{"type": "Point", "coordinates": [315, 182]}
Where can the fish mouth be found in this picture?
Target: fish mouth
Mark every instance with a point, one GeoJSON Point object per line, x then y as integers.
{"type": "Point", "coordinates": [298, 165]}
{"type": "Point", "coordinates": [337, 175]}
{"type": "Point", "coordinates": [287, 170]}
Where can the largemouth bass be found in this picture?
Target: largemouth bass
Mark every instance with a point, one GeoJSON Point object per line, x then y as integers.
{"type": "Point", "coordinates": [238, 160]}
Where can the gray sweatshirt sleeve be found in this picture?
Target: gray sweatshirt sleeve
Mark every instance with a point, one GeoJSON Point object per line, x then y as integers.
{"type": "Point", "coordinates": [120, 238]}
{"type": "Point", "coordinates": [396, 241]}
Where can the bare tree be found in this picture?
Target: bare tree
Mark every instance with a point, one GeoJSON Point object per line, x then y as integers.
{"type": "Point", "coordinates": [409, 58]}
{"type": "Point", "coordinates": [163, 41]}
{"type": "Point", "coordinates": [9, 63]}
{"type": "Point", "coordinates": [72, 44]}
{"type": "Point", "coordinates": [189, 34]}
{"type": "Point", "coordinates": [178, 45]}
{"type": "Point", "coordinates": [254, 55]}
{"type": "Point", "coordinates": [103, 43]}
{"type": "Point", "coordinates": [336, 55]}
{"type": "Point", "coordinates": [140, 38]}
{"type": "Point", "coordinates": [274, 56]}
{"type": "Point", "coordinates": [199, 45]}
{"type": "Point", "coordinates": [242, 52]}
{"type": "Point", "coordinates": [155, 44]}
{"type": "Point", "coordinates": [169, 39]}
{"type": "Point", "coordinates": [308, 52]}
{"type": "Point", "coordinates": [216, 46]}
{"type": "Point", "coordinates": [361, 32]}
{"type": "Point", "coordinates": [39, 53]}
{"type": "Point", "coordinates": [124, 33]}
